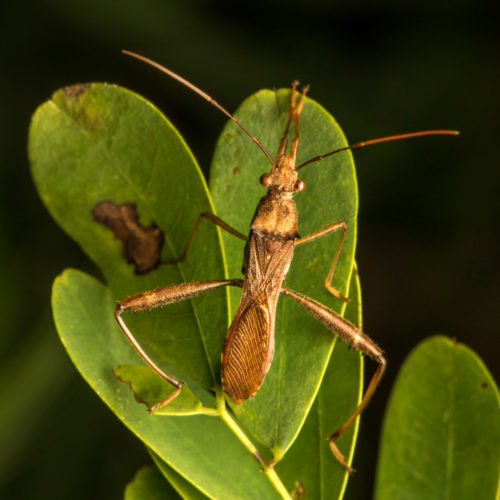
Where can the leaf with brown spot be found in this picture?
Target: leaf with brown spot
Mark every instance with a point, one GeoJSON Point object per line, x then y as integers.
{"type": "Point", "coordinates": [111, 144]}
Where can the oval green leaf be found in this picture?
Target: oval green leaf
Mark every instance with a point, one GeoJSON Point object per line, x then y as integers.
{"type": "Point", "coordinates": [101, 143]}
{"type": "Point", "coordinates": [302, 345]}
{"type": "Point", "coordinates": [441, 433]}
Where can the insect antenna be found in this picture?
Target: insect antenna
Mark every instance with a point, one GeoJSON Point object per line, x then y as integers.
{"type": "Point", "coordinates": [380, 139]}
{"type": "Point", "coordinates": [200, 92]}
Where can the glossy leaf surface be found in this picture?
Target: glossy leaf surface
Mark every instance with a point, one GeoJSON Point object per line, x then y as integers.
{"type": "Point", "coordinates": [96, 143]}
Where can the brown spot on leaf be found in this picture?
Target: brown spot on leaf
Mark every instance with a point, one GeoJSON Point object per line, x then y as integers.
{"type": "Point", "coordinates": [484, 385]}
{"type": "Point", "coordinates": [236, 171]}
{"type": "Point", "coordinates": [76, 90]}
{"type": "Point", "coordinates": [141, 245]}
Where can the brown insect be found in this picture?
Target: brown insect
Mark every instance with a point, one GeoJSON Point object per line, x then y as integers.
{"type": "Point", "coordinates": [249, 345]}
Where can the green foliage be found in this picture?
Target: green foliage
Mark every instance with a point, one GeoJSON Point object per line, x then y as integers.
{"type": "Point", "coordinates": [100, 142]}
{"type": "Point", "coordinates": [441, 436]}
{"type": "Point", "coordinates": [94, 143]}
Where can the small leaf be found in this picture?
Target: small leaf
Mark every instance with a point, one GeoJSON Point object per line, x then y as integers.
{"type": "Point", "coordinates": [149, 484]}
{"type": "Point", "coordinates": [302, 345]}
{"type": "Point", "coordinates": [441, 433]}
{"type": "Point", "coordinates": [150, 389]}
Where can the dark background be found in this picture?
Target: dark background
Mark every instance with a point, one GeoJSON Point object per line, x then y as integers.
{"type": "Point", "coordinates": [428, 228]}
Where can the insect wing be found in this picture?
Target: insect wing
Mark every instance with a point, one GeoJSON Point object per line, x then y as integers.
{"type": "Point", "coordinates": [248, 351]}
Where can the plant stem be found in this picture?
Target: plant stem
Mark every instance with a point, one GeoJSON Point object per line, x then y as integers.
{"type": "Point", "coordinates": [268, 471]}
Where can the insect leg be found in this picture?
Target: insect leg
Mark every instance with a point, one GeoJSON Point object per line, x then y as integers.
{"type": "Point", "coordinates": [212, 218]}
{"type": "Point", "coordinates": [355, 338]}
{"type": "Point", "coordinates": [158, 298]}
{"type": "Point", "coordinates": [293, 116]}
{"type": "Point", "coordinates": [284, 139]}
{"type": "Point", "coordinates": [335, 226]}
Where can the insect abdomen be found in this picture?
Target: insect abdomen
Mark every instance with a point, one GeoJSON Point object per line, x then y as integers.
{"type": "Point", "coordinates": [247, 353]}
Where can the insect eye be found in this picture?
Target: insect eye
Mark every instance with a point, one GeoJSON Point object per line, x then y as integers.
{"type": "Point", "coordinates": [300, 185]}
{"type": "Point", "coordinates": [265, 180]}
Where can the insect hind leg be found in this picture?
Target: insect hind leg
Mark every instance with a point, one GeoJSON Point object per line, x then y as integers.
{"type": "Point", "coordinates": [159, 297]}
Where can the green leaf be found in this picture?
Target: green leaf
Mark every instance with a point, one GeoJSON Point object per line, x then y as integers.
{"type": "Point", "coordinates": [149, 484]}
{"type": "Point", "coordinates": [441, 434]}
{"type": "Point", "coordinates": [303, 346]}
{"type": "Point", "coordinates": [94, 143]}
{"type": "Point", "coordinates": [310, 464]}
{"type": "Point", "coordinates": [195, 446]}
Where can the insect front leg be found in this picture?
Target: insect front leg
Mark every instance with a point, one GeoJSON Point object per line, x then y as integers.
{"type": "Point", "coordinates": [356, 339]}
{"type": "Point", "coordinates": [158, 298]}
{"type": "Point", "coordinates": [335, 226]}
{"type": "Point", "coordinates": [212, 218]}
